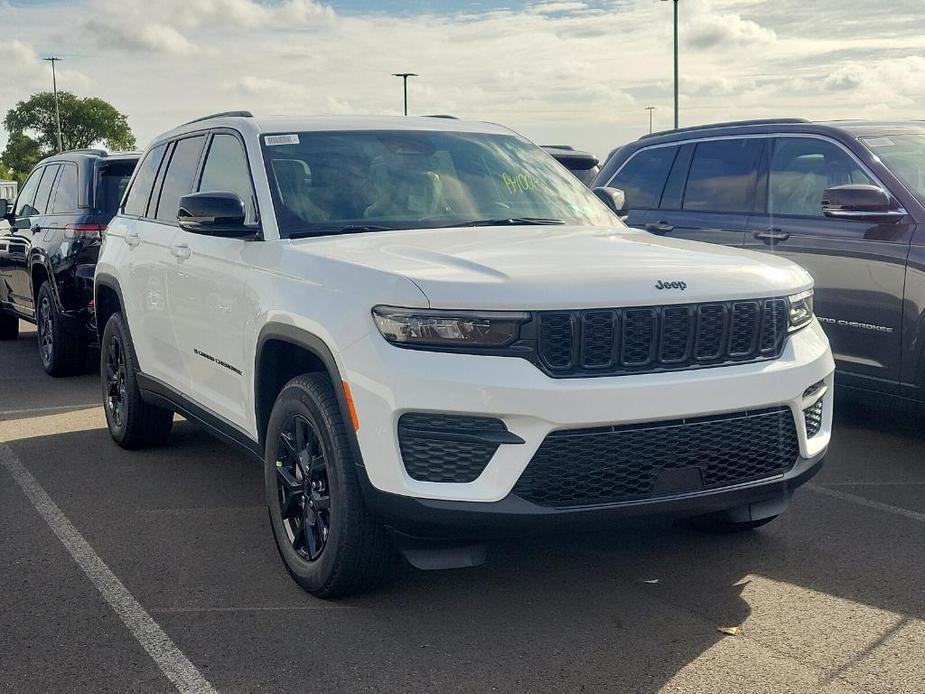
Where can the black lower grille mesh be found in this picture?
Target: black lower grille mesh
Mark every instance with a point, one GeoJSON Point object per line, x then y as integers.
{"type": "Point", "coordinates": [430, 454]}
{"type": "Point", "coordinates": [594, 466]}
{"type": "Point", "coordinates": [813, 418]}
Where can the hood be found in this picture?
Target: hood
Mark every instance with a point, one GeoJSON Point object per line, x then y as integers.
{"type": "Point", "coordinates": [561, 267]}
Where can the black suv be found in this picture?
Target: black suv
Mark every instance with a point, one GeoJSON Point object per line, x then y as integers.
{"type": "Point", "coordinates": [48, 254]}
{"type": "Point", "coordinates": [846, 200]}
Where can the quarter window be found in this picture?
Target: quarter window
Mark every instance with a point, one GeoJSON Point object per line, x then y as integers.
{"type": "Point", "coordinates": [42, 193]}
{"type": "Point", "coordinates": [643, 177]}
{"type": "Point", "coordinates": [178, 180]}
{"type": "Point", "coordinates": [137, 201]}
{"type": "Point", "coordinates": [65, 197]}
{"type": "Point", "coordinates": [27, 194]}
{"type": "Point", "coordinates": [722, 176]}
{"type": "Point", "coordinates": [226, 171]}
{"type": "Point", "coordinates": [802, 168]}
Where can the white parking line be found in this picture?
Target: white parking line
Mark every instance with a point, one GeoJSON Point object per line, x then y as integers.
{"type": "Point", "coordinates": [34, 411]}
{"type": "Point", "coordinates": [172, 662]}
{"type": "Point", "coordinates": [869, 503]}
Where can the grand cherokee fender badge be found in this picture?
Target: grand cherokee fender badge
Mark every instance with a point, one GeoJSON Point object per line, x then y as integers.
{"type": "Point", "coordinates": [671, 285]}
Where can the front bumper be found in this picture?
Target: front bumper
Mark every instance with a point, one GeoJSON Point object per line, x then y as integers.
{"type": "Point", "coordinates": [387, 382]}
{"type": "Point", "coordinates": [512, 516]}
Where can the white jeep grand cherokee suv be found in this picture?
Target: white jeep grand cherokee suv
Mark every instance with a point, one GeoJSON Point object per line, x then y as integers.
{"type": "Point", "coordinates": [428, 329]}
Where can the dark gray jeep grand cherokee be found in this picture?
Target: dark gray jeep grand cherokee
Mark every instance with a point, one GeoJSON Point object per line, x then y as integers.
{"type": "Point", "coordinates": [846, 200]}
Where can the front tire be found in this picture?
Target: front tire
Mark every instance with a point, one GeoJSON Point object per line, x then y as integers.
{"type": "Point", "coordinates": [62, 353]}
{"type": "Point", "coordinates": [9, 327]}
{"type": "Point", "coordinates": [132, 422]}
{"type": "Point", "coordinates": [328, 540]}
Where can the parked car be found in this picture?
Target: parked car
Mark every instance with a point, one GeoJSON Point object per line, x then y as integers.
{"type": "Point", "coordinates": [846, 200]}
{"type": "Point", "coordinates": [47, 258]}
{"type": "Point", "coordinates": [427, 326]}
{"type": "Point", "coordinates": [583, 165]}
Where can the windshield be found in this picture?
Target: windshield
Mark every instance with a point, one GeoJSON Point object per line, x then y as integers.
{"type": "Point", "coordinates": [338, 182]}
{"type": "Point", "coordinates": [904, 155]}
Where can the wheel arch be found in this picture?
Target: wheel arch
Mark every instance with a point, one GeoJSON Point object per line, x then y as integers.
{"type": "Point", "coordinates": [284, 352]}
{"type": "Point", "coordinates": [107, 297]}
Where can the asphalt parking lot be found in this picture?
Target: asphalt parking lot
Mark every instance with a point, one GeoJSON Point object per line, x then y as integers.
{"type": "Point", "coordinates": [828, 598]}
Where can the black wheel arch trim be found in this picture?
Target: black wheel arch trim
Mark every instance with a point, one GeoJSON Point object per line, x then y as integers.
{"type": "Point", "coordinates": [319, 348]}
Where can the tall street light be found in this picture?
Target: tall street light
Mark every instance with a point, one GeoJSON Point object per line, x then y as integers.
{"type": "Point", "coordinates": [404, 77]}
{"type": "Point", "coordinates": [675, 61]}
{"type": "Point", "coordinates": [54, 86]}
{"type": "Point", "coordinates": [650, 109]}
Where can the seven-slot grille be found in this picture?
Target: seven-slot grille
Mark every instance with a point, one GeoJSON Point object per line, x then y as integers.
{"type": "Point", "coordinates": [660, 338]}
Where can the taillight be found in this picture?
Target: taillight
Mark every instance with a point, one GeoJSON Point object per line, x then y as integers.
{"type": "Point", "coordinates": [84, 232]}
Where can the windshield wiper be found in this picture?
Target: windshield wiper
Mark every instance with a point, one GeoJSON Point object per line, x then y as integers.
{"type": "Point", "coordinates": [346, 229]}
{"type": "Point", "coordinates": [509, 221]}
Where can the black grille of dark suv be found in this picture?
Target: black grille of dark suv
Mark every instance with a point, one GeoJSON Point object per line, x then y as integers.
{"type": "Point", "coordinates": [582, 467]}
{"type": "Point", "coordinates": [660, 338]}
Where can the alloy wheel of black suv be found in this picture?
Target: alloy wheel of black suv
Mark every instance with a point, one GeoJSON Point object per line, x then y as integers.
{"type": "Point", "coordinates": [62, 353]}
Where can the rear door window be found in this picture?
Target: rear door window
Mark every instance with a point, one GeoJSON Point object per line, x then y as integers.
{"type": "Point", "coordinates": [43, 192]}
{"type": "Point", "coordinates": [65, 197]}
{"type": "Point", "coordinates": [178, 180]}
{"type": "Point", "coordinates": [137, 201]}
{"type": "Point", "coordinates": [722, 176]}
{"type": "Point", "coordinates": [643, 177]}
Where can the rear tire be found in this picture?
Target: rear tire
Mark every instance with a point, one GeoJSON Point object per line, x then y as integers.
{"type": "Point", "coordinates": [328, 540]}
{"type": "Point", "coordinates": [62, 353]}
{"type": "Point", "coordinates": [9, 327]}
{"type": "Point", "coordinates": [132, 422]}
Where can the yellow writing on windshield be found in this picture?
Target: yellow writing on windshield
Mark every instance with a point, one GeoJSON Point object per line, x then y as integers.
{"type": "Point", "coordinates": [521, 182]}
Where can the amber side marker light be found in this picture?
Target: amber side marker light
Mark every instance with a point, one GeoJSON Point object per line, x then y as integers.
{"type": "Point", "coordinates": [350, 406]}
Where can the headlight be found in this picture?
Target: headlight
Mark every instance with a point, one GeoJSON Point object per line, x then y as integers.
{"type": "Point", "coordinates": [437, 328]}
{"type": "Point", "coordinates": [801, 310]}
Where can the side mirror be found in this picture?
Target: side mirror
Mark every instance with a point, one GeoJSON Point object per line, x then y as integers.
{"type": "Point", "coordinates": [614, 198]}
{"type": "Point", "coordinates": [861, 202]}
{"type": "Point", "coordinates": [214, 214]}
{"type": "Point", "coordinates": [5, 210]}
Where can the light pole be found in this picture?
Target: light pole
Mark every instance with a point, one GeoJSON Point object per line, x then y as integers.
{"type": "Point", "coordinates": [675, 61]}
{"type": "Point", "coordinates": [404, 77]}
{"type": "Point", "coordinates": [650, 109]}
{"type": "Point", "coordinates": [54, 86]}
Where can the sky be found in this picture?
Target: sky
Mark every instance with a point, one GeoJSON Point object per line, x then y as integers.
{"type": "Point", "coordinates": [577, 72]}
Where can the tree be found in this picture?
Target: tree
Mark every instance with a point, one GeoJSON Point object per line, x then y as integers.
{"type": "Point", "coordinates": [84, 122]}
{"type": "Point", "coordinates": [20, 155]}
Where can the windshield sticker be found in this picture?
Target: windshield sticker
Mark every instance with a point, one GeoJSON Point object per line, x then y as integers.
{"type": "Point", "coordinates": [878, 142]}
{"type": "Point", "coordinates": [521, 182]}
{"type": "Point", "coordinates": [272, 140]}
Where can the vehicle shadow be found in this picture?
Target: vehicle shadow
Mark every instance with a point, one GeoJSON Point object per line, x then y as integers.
{"type": "Point", "coordinates": [621, 610]}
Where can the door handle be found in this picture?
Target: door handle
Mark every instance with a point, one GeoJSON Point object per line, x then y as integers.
{"type": "Point", "coordinates": [181, 251]}
{"type": "Point", "coordinates": [132, 238]}
{"type": "Point", "coordinates": [660, 227]}
{"type": "Point", "coordinates": [772, 235]}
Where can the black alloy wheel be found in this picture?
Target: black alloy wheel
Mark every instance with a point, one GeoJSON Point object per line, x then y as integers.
{"type": "Point", "coordinates": [304, 492]}
{"type": "Point", "coordinates": [46, 329]}
{"type": "Point", "coordinates": [114, 373]}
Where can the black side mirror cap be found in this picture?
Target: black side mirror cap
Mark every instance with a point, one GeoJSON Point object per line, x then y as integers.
{"type": "Point", "coordinates": [860, 201]}
{"type": "Point", "coordinates": [214, 214]}
{"type": "Point", "coordinates": [614, 198]}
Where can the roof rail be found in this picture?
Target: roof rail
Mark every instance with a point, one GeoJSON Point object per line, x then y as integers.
{"type": "Point", "coordinates": [87, 150]}
{"type": "Point", "coordinates": [223, 114]}
{"type": "Point", "coordinates": [728, 124]}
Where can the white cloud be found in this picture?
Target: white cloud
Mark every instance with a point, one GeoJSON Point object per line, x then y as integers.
{"type": "Point", "coordinates": [574, 72]}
